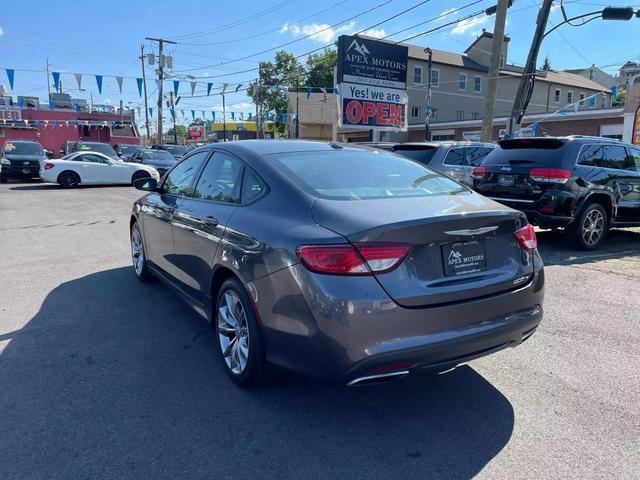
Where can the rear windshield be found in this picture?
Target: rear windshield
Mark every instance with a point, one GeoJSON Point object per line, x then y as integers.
{"type": "Point", "coordinates": [542, 152]}
{"type": "Point", "coordinates": [98, 147]}
{"type": "Point", "coordinates": [348, 174]}
{"type": "Point", "coordinates": [157, 155]}
{"type": "Point", "coordinates": [128, 148]}
{"type": "Point", "coordinates": [420, 154]}
{"type": "Point", "coordinates": [23, 148]}
{"type": "Point", "coordinates": [177, 150]}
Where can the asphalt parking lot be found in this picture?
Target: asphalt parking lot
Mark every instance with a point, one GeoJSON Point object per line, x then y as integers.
{"type": "Point", "coordinates": [104, 377]}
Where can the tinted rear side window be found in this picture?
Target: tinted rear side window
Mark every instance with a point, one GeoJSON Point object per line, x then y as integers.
{"type": "Point", "coordinates": [476, 155]}
{"type": "Point", "coordinates": [550, 153]}
{"type": "Point", "coordinates": [455, 157]}
{"type": "Point", "coordinates": [592, 156]}
{"type": "Point", "coordinates": [616, 157]}
{"type": "Point", "coordinates": [354, 175]}
{"type": "Point", "coordinates": [422, 155]}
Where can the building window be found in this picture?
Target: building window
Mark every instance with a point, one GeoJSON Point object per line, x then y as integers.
{"type": "Point", "coordinates": [434, 113]}
{"type": "Point", "coordinates": [475, 115]}
{"type": "Point", "coordinates": [603, 101]}
{"type": "Point", "coordinates": [581, 98]}
{"type": "Point", "coordinates": [435, 77]}
{"type": "Point", "coordinates": [460, 115]}
{"type": "Point", "coordinates": [415, 112]}
{"type": "Point", "coordinates": [417, 75]}
{"type": "Point", "coordinates": [556, 96]}
{"type": "Point", "coordinates": [569, 97]}
{"type": "Point", "coordinates": [462, 81]}
{"type": "Point", "coordinates": [477, 84]}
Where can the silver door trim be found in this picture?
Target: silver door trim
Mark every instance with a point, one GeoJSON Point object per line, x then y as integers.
{"type": "Point", "coordinates": [515, 200]}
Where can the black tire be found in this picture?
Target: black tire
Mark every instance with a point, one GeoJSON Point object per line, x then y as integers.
{"type": "Point", "coordinates": [589, 229]}
{"type": "Point", "coordinates": [138, 254]}
{"type": "Point", "coordinates": [257, 370]}
{"type": "Point", "coordinates": [3, 178]}
{"type": "Point", "coordinates": [138, 175]}
{"type": "Point", "coordinates": [68, 179]}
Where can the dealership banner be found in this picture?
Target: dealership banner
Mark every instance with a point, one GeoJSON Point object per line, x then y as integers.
{"type": "Point", "coordinates": [372, 78]}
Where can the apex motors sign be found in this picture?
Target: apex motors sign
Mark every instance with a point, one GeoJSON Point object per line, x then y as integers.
{"type": "Point", "coordinates": [372, 81]}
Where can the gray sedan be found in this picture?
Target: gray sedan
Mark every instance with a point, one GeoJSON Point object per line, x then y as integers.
{"type": "Point", "coordinates": [337, 261]}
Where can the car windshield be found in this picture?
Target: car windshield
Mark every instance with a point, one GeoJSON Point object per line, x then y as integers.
{"type": "Point", "coordinates": [99, 147]}
{"type": "Point", "coordinates": [420, 154]}
{"type": "Point", "coordinates": [349, 174]}
{"type": "Point", "coordinates": [23, 148]}
{"type": "Point", "coordinates": [156, 155]}
{"type": "Point", "coordinates": [128, 148]}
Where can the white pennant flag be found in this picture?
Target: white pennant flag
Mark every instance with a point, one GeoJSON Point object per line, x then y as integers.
{"type": "Point", "coordinates": [158, 83]}
{"type": "Point", "coordinates": [193, 88]}
{"type": "Point", "coordinates": [119, 80]}
{"type": "Point", "coordinates": [78, 80]}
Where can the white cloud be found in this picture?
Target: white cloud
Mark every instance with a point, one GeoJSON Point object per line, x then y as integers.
{"type": "Point", "coordinates": [324, 33]}
{"type": "Point", "coordinates": [470, 26]}
{"type": "Point", "coordinates": [1, 32]}
{"type": "Point", "coordinates": [235, 107]}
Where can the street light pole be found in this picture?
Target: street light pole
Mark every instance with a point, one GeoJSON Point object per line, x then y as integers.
{"type": "Point", "coordinates": [146, 105]}
{"type": "Point", "coordinates": [427, 110]}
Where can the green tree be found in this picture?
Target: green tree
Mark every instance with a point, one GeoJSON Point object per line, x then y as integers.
{"type": "Point", "coordinates": [320, 68]}
{"type": "Point", "coordinates": [275, 77]}
{"type": "Point", "coordinates": [181, 131]}
{"type": "Point", "coordinates": [546, 65]}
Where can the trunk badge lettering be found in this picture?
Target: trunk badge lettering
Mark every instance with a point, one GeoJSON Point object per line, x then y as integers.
{"type": "Point", "coordinates": [470, 231]}
{"type": "Point", "coordinates": [505, 169]}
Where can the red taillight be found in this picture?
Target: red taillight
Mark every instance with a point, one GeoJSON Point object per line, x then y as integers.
{"type": "Point", "coordinates": [49, 165]}
{"type": "Point", "coordinates": [550, 175]}
{"type": "Point", "coordinates": [479, 172]}
{"type": "Point", "coordinates": [526, 238]}
{"type": "Point", "coordinates": [362, 259]}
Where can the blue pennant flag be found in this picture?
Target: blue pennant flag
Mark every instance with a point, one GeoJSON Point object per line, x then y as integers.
{"type": "Point", "coordinates": [150, 112]}
{"type": "Point", "coordinates": [309, 89]}
{"type": "Point", "coordinates": [76, 107]}
{"type": "Point", "coordinates": [335, 90]}
{"type": "Point", "coordinates": [139, 83]}
{"type": "Point", "coordinates": [10, 75]}
{"type": "Point", "coordinates": [534, 127]}
{"type": "Point", "coordinates": [238, 87]}
{"type": "Point", "coordinates": [562, 113]}
{"type": "Point", "coordinates": [592, 100]}
{"type": "Point", "coordinates": [176, 85]}
{"type": "Point", "coordinates": [233, 115]}
{"type": "Point", "coordinates": [209, 85]}
{"type": "Point", "coordinates": [21, 102]}
{"type": "Point", "coordinates": [56, 79]}
{"type": "Point", "coordinates": [204, 114]}
{"type": "Point", "coordinates": [193, 114]}
{"type": "Point", "coordinates": [614, 92]}
{"type": "Point", "coordinates": [275, 118]}
{"type": "Point", "coordinates": [213, 114]}
{"type": "Point", "coordinates": [52, 105]}
{"type": "Point", "coordinates": [36, 123]}
{"type": "Point", "coordinates": [56, 123]}
{"type": "Point", "coordinates": [99, 83]}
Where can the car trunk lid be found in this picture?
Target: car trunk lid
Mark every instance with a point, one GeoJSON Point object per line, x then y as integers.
{"type": "Point", "coordinates": [462, 245]}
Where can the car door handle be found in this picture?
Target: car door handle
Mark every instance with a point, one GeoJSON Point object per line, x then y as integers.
{"type": "Point", "coordinates": [168, 210]}
{"type": "Point", "coordinates": [210, 221]}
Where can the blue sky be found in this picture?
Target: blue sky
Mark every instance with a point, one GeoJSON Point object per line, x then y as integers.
{"type": "Point", "coordinates": [104, 37]}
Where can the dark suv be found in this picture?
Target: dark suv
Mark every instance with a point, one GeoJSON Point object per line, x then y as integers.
{"type": "Point", "coordinates": [21, 159]}
{"type": "Point", "coordinates": [585, 185]}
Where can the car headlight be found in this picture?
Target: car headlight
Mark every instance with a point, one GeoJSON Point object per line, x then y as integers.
{"type": "Point", "coordinates": [5, 161]}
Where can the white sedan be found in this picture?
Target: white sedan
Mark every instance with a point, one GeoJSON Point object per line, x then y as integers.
{"type": "Point", "coordinates": [93, 168]}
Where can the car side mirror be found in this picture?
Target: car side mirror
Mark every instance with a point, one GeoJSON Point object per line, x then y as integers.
{"type": "Point", "coordinates": [146, 184]}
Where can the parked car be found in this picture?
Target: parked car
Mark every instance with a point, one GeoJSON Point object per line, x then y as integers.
{"type": "Point", "coordinates": [103, 148]}
{"type": "Point", "coordinates": [93, 168]}
{"type": "Point", "coordinates": [336, 260]}
{"type": "Point", "coordinates": [178, 151]}
{"type": "Point", "coordinates": [455, 159]}
{"type": "Point", "coordinates": [585, 185]}
{"type": "Point", "coordinates": [125, 152]}
{"type": "Point", "coordinates": [161, 160]}
{"type": "Point", "coordinates": [21, 159]}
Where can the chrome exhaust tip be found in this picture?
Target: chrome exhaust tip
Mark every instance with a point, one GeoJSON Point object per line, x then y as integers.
{"type": "Point", "coordinates": [377, 378]}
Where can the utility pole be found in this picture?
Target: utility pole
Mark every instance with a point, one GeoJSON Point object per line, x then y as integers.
{"type": "Point", "coordinates": [173, 116]}
{"type": "Point", "coordinates": [161, 63]}
{"type": "Point", "coordinates": [224, 113]}
{"type": "Point", "coordinates": [48, 81]}
{"type": "Point", "coordinates": [297, 107]}
{"type": "Point", "coordinates": [494, 71]}
{"type": "Point", "coordinates": [146, 106]}
{"type": "Point", "coordinates": [427, 111]}
{"type": "Point", "coordinates": [256, 87]}
{"type": "Point", "coordinates": [527, 80]}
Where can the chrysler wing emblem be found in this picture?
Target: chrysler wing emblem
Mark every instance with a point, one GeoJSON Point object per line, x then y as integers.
{"type": "Point", "coordinates": [468, 232]}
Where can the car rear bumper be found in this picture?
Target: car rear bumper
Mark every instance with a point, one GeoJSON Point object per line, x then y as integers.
{"type": "Point", "coordinates": [347, 328]}
{"type": "Point", "coordinates": [551, 210]}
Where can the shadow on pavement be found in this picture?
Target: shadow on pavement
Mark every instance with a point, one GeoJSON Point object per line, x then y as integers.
{"type": "Point", "coordinates": [619, 243]}
{"type": "Point", "coordinates": [114, 379]}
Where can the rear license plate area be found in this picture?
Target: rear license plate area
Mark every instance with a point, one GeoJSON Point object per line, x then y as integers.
{"type": "Point", "coordinates": [506, 180]}
{"type": "Point", "coordinates": [462, 258]}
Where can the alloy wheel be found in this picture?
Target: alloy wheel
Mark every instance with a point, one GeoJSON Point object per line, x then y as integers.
{"type": "Point", "coordinates": [233, 332]}
{"type": "Point", "coordinates": [137, 251]}
{"type": "Point", "coordinates": [593, 227]}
